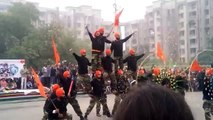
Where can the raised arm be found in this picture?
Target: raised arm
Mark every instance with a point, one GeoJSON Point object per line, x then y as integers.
{"type": "Point", "coordinates": [127, 38]}
{"type": "Point", "coordinates": [90, 34]}
{"type": "Point", "coordinates": [76, 56]}
{"type": "Point", "coordinates": [125, 60]}
{"type": "Point", "coordinates": [140, 56]}
{"type": "Point", "coordinates": [106, 40]}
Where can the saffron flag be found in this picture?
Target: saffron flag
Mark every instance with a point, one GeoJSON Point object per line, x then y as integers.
{"type": "Point", "coordinates": [39, 84]}
{"type": "Point", "coordinates": [56, 55]}
{"type": "Point", "coordinates": [116, 22]}
{"type": "Point", "coordinates": [160, 53]}
{"type": "Point", "coordinates": [195, 66]}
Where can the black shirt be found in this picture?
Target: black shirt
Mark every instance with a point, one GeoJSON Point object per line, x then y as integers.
{"type": "Point", "coordinates": [117, 46]}
{"type": "Point", "coordinates": [98, 87]}
{"type": "Point", "coordinates": [98, 43]}
{"type": "Point", "coordinates": [83, 64]}
{"type": "Point", "coordinates": [132, 62]}
{"type": "Point", "coordinates": [107, 63]}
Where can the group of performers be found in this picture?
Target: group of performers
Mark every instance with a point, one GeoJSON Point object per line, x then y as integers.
{"type": "Point", "coordinates": [102, 62]}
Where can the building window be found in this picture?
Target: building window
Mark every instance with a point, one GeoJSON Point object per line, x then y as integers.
{"type": "Point", "coordinates": [192, 14]}
{"type": "Point", "coordinates": [181, 33]}
{"type": "Point", "coordinates": [180, 7]}
{"type": "Point", "coordinates": [192, 23]}
{"type": "Point", "coordinates": [207, 30]}
{"type": "Point", "coordinates": [207, 21]}
{"type": "Point", "coordinates": [206, 12]}
{"type": "Point", "coordinates": [206, 2]}
{"type": "Point", "coordinates": [158, 13]}
{"type": "Point", "coordinates": [192, 41]}
{"type": "Point", "coordinates": [181, 24]}
{"type": "Point", "coordinates": [183, 59]}
{"type": "Point", "coordinates": [182, 51]}
{"type": "Point", "coordinates": [192, 33]}
{"type": "Point", "coordinates": [182, 42]}
{"type": "Point", "coordinates": [192, 5]}
{"type": "Point", "coordinates": [181, 15]}
{"type": "Point", "coordinates": [158, 29]}
{"type": "Point", "coordinates": [192, 50]}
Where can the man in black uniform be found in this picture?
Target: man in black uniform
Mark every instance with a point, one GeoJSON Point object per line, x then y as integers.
{"type": "Point", "coordinates": [119, 88]}
{"type": "Point", "coordinates": [98, 46]}
{"type": "Point", "coordinates": [117, 48]}
{"type": "Point", "coordinates": [57, 108]}
{"type": "Point", "coordinates": [132, 63]}
{"type": "Point", "coordinates": [69, 87]}
{"type": "Point", "coordinates": [98, 94]}
{"type": "Point", "coordinates": [83, 64]}
{"type": "Point", "coordinates": [208, 95]}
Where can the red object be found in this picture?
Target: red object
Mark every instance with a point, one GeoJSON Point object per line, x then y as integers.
{"type": "Point", "coordinates": [117, 16]}
{"type": "Point", "coordinates": [70, 89]}
{"type": "Point", "coordinates": [141, 72]}
{"type": "Point", "coordinates": [160, 53]}
{"type": "Point", "coordinates": [66, 74]}
{"type": "Point", "coordinates": [98, 73]}
{"type": "Point", "coordinates": [209, 71]}
{"type": "Point", "coordinates": [59, 92]}
{"type": "Point", "coordinates": [55, 87]}
{"type": "Point", "coordinates": [83, 52]}
{"type": "Point", "coordinates": [101, 30]}
{"type": "Point", "coordinates": [56, 55]}
{"type": "Point", "coordinates": [120, 72]}
{"type": "Point", "coordinates": [108, 52]}
{"type": "Point", "coordinates": [132, 52]}
{"type": "Point", "coordinates": [39, 84]}
{"type": "Point", "coordinates": [156, 71]}
{"type": "Point", "coordinates": [195, 66]}
{"type": "Point", "coordinates": [117, 35]}
{"type": "Point", "coordinates": [97, 33]}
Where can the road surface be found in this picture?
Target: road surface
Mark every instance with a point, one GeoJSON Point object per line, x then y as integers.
{"type": "Point", "coordinates": [32, 109]}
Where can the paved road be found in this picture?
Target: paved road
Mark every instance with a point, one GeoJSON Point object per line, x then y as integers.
{"type": "Point", "coordinates": [32, 110]}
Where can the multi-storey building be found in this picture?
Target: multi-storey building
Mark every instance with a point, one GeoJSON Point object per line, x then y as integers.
{"type": "Point", "coordinates": [137, 40]}
{"type": "Point", "coordinates": [182, 26]}
{"type": "Point", "coordinates": [76, 19]}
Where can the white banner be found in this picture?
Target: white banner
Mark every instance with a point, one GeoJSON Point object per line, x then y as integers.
{"type": "Point", "coordinates": [10, 68]}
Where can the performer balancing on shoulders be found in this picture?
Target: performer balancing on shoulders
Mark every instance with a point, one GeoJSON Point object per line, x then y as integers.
{"type": "Point", "coordinates": [83, 64]}
{"type": "Point", "coordinates": [131, 61]}
{"type": "Point", "coordinates": [98, 46]}
{"type": "Point", "coordinates": [117, 48]}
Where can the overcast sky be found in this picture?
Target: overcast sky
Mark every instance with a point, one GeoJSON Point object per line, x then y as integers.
{"type": "Point", "coordinates": [133, 9]}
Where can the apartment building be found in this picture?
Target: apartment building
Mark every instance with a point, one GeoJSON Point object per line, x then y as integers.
{"type": "Point", "coordinates": [181, 26]}
{"type": "Point", "coordinates": [76, 19]}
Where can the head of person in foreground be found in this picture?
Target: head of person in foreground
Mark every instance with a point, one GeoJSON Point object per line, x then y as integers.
{"type": "Point", "coordinates": [152, 102]}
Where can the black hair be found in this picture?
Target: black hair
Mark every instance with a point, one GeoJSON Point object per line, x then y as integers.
{"type": "Point", "coordinates": [152, 102]}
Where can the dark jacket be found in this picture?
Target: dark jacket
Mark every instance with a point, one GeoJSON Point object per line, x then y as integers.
{"type": "Point", "coordinates": [117, 46]}
{"type": "Point", "coordinates": [120, 84]}
{"type": "Point", "coordinates": [98, 43]}
{"type": "Point", "coordinates": [83, 64]}
{"type": "Point", "coordinates": [207, 91]}
{"type": "Point", "coordinates": [107, 63]}
{"type": "Point", "coordinates": [98, 87]}
{"type": "Point", "coordinates": [59, 104]}
{"type": "Point", "coordinates": [65, 83]}
{"type": "Point", "coordinates": [132, 62]}
{"type": "Point", "coordinates": [48, 100]}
